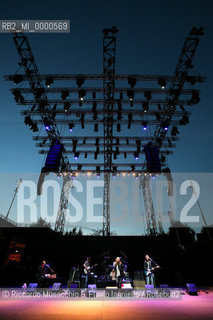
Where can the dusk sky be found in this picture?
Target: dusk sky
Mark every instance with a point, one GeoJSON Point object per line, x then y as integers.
{"type": "Point", "coordinates": [150, 39]}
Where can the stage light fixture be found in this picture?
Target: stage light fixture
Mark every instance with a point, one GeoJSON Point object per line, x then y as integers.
{"type": "Point", "coordinates": [95, 127]}
{"type": "Point", "coordinates": [97, 142]}
{"type": "Point", "coordinates": [124, 155]}
{"type": "Point", "coordinates": [85, 155]}
{"type": "Point", "coordinates": [159, 107]}
{"type": "Point", "coordinates": [94, 95]}
{"type": "Point", "coordinates": [79, 167]}
{"type": "Point", "coordinates": [79, 81]}
{"type": "Point", "coordinates": [145, 106]}
{"type": "Point", "coordinates": [118, 127]}
{"type": "Point", "coordinates": [81, 94]}
{"type": "Point", "coordinates": [136, 155]}
{"type": "Point", "coordinates": [48, 81]}
{"type": "Point", "coordinates": [64, 94]}
{"type": "Point", "coordinates": [148, 95]}
{"type": "Point", "coordinates": [129, 120]}
{"type": "Point", "coordinates": [66, 106]}
{"type": "Point", "coordinates": [117, 142]}
{"type": "Point", "coordinates": [115, 156]}
{"type": "Point", "coordinates": [82, 120]}
{"type": "Point", "coordinates": [144, 124]}
{"type": "Point", "coordinates": [98, 171]}
{"type": "Point", "coordinates": [95, 155]}
{"type": "Point", "coordinates": [174, 131]}
{"type": "Point", "coordinates": [130, 94]}
{"type": "Point", "coordinates": [76, 155]}
{"type": "Point", "coordinates": [71, 126]}
{"type": "Point", "coordinates": [133, 168]}
{"type": "Point", "coordinates": [162, 83]}
{"type": "Point", "coordinates": [184, 120]}
{"type": "Point", "coordinates": [165, 125]}
{"type": "Point", "coordinates": [195, 97]}
{"type": "Point", "coordinates": [132, 81]}
{"type": "Point", "coordinates": [46, 124]}
{"type": "Point", "coordinates": [163, 158]}
{"type": "Point", "coordinates": [17, 78]}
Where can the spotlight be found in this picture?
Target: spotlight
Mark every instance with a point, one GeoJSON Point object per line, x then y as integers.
{"type": "Point", "coordinates": [147, 95]}
{"type": "Point", "coordinates": [79, 167]}
{"type": "Point", "coordinates": [195, 97]}
{"type": "Point", "coordinates": [79, 81]}
{"type": "Point", "coordinates": [115, 156]}
{"type": "Point", "coordinates": [174, 131]}
{"type": "Point", "coordinates": [132, 81]}
{"type": "Point", "coordinates": [118, 127]}
{"type": "Point", "coordinates": [184, 120]}
{"type": "Point", "coordinates": [84, 140]}
{"type": "Point", "coordinates": [165, 125]}
{"type": "Point", "coordinates": [18, 78]}
{"type": "Point", "coordinates": [145, 106]}
{"type": "Point", "coordinates": [129, 120]}
{"type": "Point", "coordinates": [71, 126]}
{"type": "Point", "coordinates": [76, 155]}
{"type": "Point", "coordinates": [124, 155]}
{"type": "Point", "coordinates": [130, 94]}
{"type": "Point", "coordinates": [66, 106]}
{"type": "Point", "coordinates": [94, 95]}
{"type": "Point", "coordinates": [162, 83]}
{"type": "Point", "coordinates": [133, 168]}
{"type": "Point", "coordinates": [96, 127]}
{"type": "Point", "coordinates": [81, 94]}
{"type": "Point", "coordinates": [97, 142]}
{"type": "Point", "coordinates": [48, 81]}
{"type": "Point", "coordinates": [82, 120]}
{"type": "Point", "coordinates": [144, 124]}
{"type": "Point", "coordinates": [64, 94]}
{"type": "Point", "coordinates": [169, 142]}
{"type": "Point", "coordinates": [136, 155]}
{"type": "Point", "coordinates": [46, 124]}
{"type": "Point", "coordinates": [163, 158]}
{"type": "Point", "coordinates": [117, 142]}
{"type": "Point", "coordinates": [98, 171]}
{"type": "Point", "coordinates": [85, 156]}
{"type": "Point", "coordinates": [95, 155]}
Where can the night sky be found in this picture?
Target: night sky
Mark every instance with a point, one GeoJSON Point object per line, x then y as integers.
{"type": "Point", "coordinates": [151, 35]}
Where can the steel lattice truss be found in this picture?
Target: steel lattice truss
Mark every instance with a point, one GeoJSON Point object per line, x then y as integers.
{"type": "Point", "coordinates": [105, 120]}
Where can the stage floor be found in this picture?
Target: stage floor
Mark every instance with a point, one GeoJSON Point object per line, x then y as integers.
{"type": "Point", "coordinates": [190, 307]}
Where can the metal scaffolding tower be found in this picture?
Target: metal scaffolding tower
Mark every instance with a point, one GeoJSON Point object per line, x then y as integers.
{"type": "Point", "coordinates": [109, 47]}
{"type": "Point", "coordinates": [153, 105]}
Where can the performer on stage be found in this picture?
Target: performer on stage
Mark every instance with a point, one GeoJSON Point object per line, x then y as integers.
{"type": "Point", "coordinates": [119, 271]}
{"type": "Point", "coordinates": [44, 274]}
{"type": "Point", "coordinates": [149, 266]}
{"type": "Point", "coordinates": [87, 267]}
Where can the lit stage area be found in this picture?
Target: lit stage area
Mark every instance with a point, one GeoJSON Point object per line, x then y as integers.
{"type": "Point", "coordinates": [190, 307]}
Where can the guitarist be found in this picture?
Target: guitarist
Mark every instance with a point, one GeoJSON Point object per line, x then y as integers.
{"type": "Point", "coordinates": [87, 267]}
{"type": "Point", "coordinates": [149, 266]}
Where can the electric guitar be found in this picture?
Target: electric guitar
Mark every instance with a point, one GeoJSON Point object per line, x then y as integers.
{"type": "Point", "coordinates": [88, 269]}
{"type": "Point", "coordinates": [148, 271]}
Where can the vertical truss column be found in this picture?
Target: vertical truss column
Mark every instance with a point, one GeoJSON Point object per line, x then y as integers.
{"type": "Point", "coordinates": [60, 220]}
{"type": "Point", "coordinates": [109, 45]}
{"type": "Point", "coordinates": [45, 112]}
{"type": "Point", "coordinates": [147, 195]}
